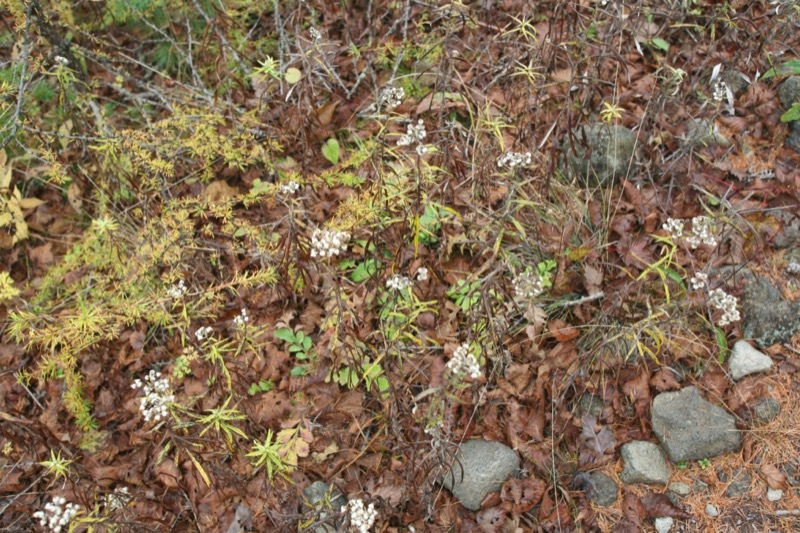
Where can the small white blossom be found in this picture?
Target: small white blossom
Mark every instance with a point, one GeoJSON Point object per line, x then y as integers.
{"type": "Point", "coordinates": [157, 396]}
{"type": "Point", "coordinates": [416, 132]}
{"type": "Point", "coordinates": [326, 243]}
{"type": "Point", "coordinates": [699, 281]}
{"type": "Point", "coordinates": [361, 518]}
{"type": "Point", "coordinates": [528, 285]}
{"type": "Point", "coordinates": [61, 60]}
{"type": "Point", "coordinates": [793, 268]}
{"type": "Point", "coordinates": [422, 274]}
{"type": "Point", "coordinates": [203, 332]}
{"type": "Point", "coordinates": [422, 149]}
{"type": "Point", "coordinates": [725, 303]}
{"type": "Point", "coordinates": [702, 232]}
{"type": "Point", "coordinates": [176, 291]}
{"type": "Point", "coordinates": [242, 318]}
{"type": "Point", "coordinates": [464, 363]}
{"type": "Point", "coordinates": [398, 282]}
{"type": "Point", "coordinates": [674, 227]}
{"type": "Point", "coordinates": [720, 89]}
{"type": "Point", "coordinates": [393, 97]}
{"type": "Point", "coordinates": [315, 34]}
{"type": "Point", "coordinates": [57, 514]}
{"type": "Point", "coordinates": [289, 187]}
{"type": "Point", "coordinates": [514, 159]}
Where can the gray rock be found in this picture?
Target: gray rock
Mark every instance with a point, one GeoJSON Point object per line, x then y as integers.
{"type": "Point", "coordinates": [643, 462]}
{"type": "Point", "coordinates": [789, 91]}
{"type": "Point", "coordinates": [789, 221]}
{"type": "Point", "coordinates": [318, 495]}
{"type": "Point", "coordinates": [701, 131]}
{"type": "Point", "coordinates": [735, 80]}
{"type": "Point", "coordinates": [690, 428]}
{"type": "Point", "coordinates": [766, 316]}
{"type": "Point", "coordinates": [712, 511]}
{"type": "Point", "coordinates": [589, 404]}
{"type": "Point", "coordinates": [740, 483]}
{"type": "Point", "coordinates": [699, 486]}
{"type": "Point", "coordinates": [746, 360]}
{"type": "Point", "coordinates": [664, 524]}
{"type": "Point", "coordinates": [766, 410]}
{"type": "Point", "coordinates": [680, 488]}
{"type": "Point", "coordinates": [603, 489]}
{"type": "Point", "coordinates": [599, 153]}
{"type": "Point", "coordinates": [774, 495]}
{"type": "Point", "coordinates": [480, 467]}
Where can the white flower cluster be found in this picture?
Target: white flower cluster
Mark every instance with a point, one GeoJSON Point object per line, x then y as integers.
{"type": "Point", "coordinates": [725, 303]}
{"type": "Point", "coordinates": [399, 283]}
{"type": "Point", "coordinates": [464, 363]}
{"type": "Point", "coordinates": [702, 231]}
{"type": "Point", "coordinates": [326, 243]}
{"type": "Point", "coordinates": [157, 396]}
{"type": "Point", "coordinates": [699, 281]}
{"type": "Point", "coordinates": [393, 97]}
{"type": "Point", "coordinates": [290, 187]}
{"type": "Point", "coordinates": [315, 34]}
{"type": "Point", "coordinates": [793, 268]}
{"type": "Point", "coordinates": [416, 132]}
{"type": "Point", "coordinates": [56, 514]}
{"type": "Point", "coordinates": [528, 285]}
{"type": "Point", "coordinates": [242, 318]}
{"type": "Point", "coordinates": [422, 274]}
{"type": "Point", "coordinates": [61, 60]}
{"type": "Point", "coordinates": [514, 159]}
{"type": "Point", "coordinates": [674, 227]}
{"type": "Point", "coordinates": [203, 332]}
{"type": "Point", "coordinates": [720, 91]}
{"type": "Point", "coordinates": [176, 291]}
{"type": "Point", "coordinates": [362, 518]}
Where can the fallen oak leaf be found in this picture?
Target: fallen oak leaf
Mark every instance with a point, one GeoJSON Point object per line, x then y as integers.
{"type": "Point", "coordinates": [657, 505]}
{"type": "Point", "coordinates": [774, 477]}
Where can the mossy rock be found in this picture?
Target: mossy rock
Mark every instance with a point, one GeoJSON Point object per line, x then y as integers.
{"type": "Point", "coordinates": [598, 153]}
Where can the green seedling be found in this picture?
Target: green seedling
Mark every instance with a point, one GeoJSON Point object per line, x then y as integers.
{"type": "Point", "coordinates": [465, 294]}
{"type": "Point", "coordinates": [300, 345]}
{"type": "Point", "coordinates": [545, 269]}
{"type": "Point", "coordinates": [261, 386]}
{"type": "Point", "coordinates": [221, 420]}
{"type": "Point", "coordinates": [704, 463]}
{"type": "Point", "coordinates": [267, 455]}
{"type": "Point", "coordinates": [57, 466]}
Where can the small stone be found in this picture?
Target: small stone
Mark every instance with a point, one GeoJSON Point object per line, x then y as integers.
{"type": "Point", "coordinates": [774, 495]}
{"type": "Point", "coordinates": [703, 132]}
{"type": "Point", "coordinates": [680, 488]}
{"type": "Point", "coordinates": [604, 489]}
{"type": "Point", "coordinates": [664, 524]}
{"type": "Point", "coordinates": [789, 91]}
{"type": "Point", "coordinates": [746, 360]}
{"type": "Point", "coordinates": [589, 404]}
{"type": "Point", "coordinates": [712, 511]}
{"type": "Point", "coordinates": [700, 486]}
{"type": "Point", "coordinates": [740, 484]}
{"type": "Point", "coordinates": [644, 462]}
{"type": "Point", "coordinates": [479, 467]}
{"type": "Point", "coordinates": [766, 410]}
{"type": "Point", "coordinates": [598, 153]}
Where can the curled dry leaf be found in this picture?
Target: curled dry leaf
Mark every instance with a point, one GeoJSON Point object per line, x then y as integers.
{"type": "Point", "coordinates": [774, 477]}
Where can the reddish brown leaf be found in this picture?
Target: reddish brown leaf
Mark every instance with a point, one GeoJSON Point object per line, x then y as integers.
{"type": "Point", "coordinates": [774, 477]}
{"type": "Point", "coordinates": [664, 380]}
{"type": "Point", "coordinates": [660, 505]}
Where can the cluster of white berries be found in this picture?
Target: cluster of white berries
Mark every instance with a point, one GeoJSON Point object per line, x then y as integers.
{"type": "Point", "coordinates": [416, 132]}
{"type": "Point", "coordinates": [464, 363]}
{"type": "Point", "coordinates": [290, 187]}
{"type": "Point", "coordinates": [702, 231]}
{"type": "Point", "coordinates": [720, 89]}
{"type": "Point", "coordinates": [56, 514]}
{"type": "Point", "coordinates": [157, 396]}
{"type": "Point", "coordinates": [393, 97]}
{"type": "Point", "coordinates": [399, 283]}
{"type": "Point", "coordinates": [362, 518]}
{"type": "Point", "coordinates": [242, 318]}
{"type": "Point", "coordinates": [326, 243]}
{"type": "Point", "coordinates": [528, 285]}
{"type": "Point", "coordinates": [61, 60]}
{"type": "Point", "coordinates": [422, 274]}
{"type": "Point", "coordinates": [514, 159]}
{"type": "Point", "coordinates": [315, 34]}
{"type": "Point", "coordinates": [699, 281]}
{"type": "Point", "coordinates": [725, 303]}
{"type": "Point", "coordinates": [118, 499]}
{"type": "Point", "coordinates": [176, 291]}
{"type": "Point", "coordinates": [203, 332]}
{"type": "Point", "coordinates": [793, 268]}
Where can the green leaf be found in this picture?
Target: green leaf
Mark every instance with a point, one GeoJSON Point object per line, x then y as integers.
{"type": "Point", "coordinates": [331, 150]}
{"type": "Point", "coordinates": [307, 344]}
{"type": "Point", "coordinates": [364, 271]}
{"type": "Point", "coordinates": [790, 68]}
{"type": "Point", "coordinates": [295, 348]}
{"type": "Point", "coordinates": [661, 44]}
{"type": "Point", "coordinates": [293, 75]}
{"type": "Point", "coordinates": [722, 344]}
{"type": "Point", "coordinates": [299, 371]}
{"type": "Point", "coordinates": [792, 114]}
{"type": "Point", "coordinates": [285, 334]}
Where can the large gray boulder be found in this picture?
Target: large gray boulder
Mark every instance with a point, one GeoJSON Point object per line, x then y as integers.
{"type": "Point", "coordinates": [599, 153]}
{"type": "Point", "coordinates": [766, 316]}
{"type": "Point", "coordinates": [690, 428]}
{"type": "Point", "coordinates": [746, 360]}
{"type": "Point", "coordinates": [480, 467]}
{"type": "Point", "coordinates": [643, 462]}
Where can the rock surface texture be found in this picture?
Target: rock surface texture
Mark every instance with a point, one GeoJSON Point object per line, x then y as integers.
{"type": "Point", "coordinates": [766, 316]}
{"type": "Point", "coordinates": [480, 467]}
{"type": "Point", "coordinates": [644, 462]}
{"type": "Point", "coordinates": [690, 428]}
{"type": "Point", "coordinates": [599, 153]}
{"type": "Point", "coordinates": [603, 489]}
{"type": "Point", "coordinates": [789, 94]}
{"type": "Point", "coordinates": [746, 360]}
